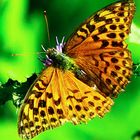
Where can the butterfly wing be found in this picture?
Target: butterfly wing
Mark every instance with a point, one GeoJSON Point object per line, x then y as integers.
{"type": "Point", "coordinates": [55, 98]}
{"type": "Point", "coordinates": [99, 49]}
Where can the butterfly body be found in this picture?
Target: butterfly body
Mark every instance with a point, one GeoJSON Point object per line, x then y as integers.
{"type": "Point", "coordinates": [82, 75]}
{"type": "Point", "coordinates": [61, 60]}
{"type": "Point", "coordinates": [64, 62]}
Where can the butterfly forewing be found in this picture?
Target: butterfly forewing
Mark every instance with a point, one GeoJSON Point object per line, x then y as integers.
{"type": "Point", "coordinates": [119, 14]}
{"type": "Point", "coordinates": [99, 49]}
{"type": "Point", "coordinates": [57, 97]}
{"type": "Point", "coordinates": [31, 117]}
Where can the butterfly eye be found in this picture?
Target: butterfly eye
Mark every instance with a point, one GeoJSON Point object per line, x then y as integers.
{"type": "Point", "coordinates": [53, 49]}
{"type": "Point", "coordinates": [51, 53]}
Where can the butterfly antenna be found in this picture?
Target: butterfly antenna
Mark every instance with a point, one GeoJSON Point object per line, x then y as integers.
{"type": "Point", "coordinates": [48, 33]}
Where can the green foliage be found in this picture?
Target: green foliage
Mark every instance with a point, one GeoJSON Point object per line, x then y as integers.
{"type": "Point", "coordinates": [15, 91]}
{"type": "Point", "coordinates": [136, 136]}
{"type": "Point", "coordinates": [23, 30]}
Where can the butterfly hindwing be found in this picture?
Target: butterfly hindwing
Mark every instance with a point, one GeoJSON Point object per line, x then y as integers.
{"type": "Point", "coordinates": [57, 97]}
{"type": "Point", "coordinates": [98, 47]}
{"type": "Point", "coordinates": [84, 101]}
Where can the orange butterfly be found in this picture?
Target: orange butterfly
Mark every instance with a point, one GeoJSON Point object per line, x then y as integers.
{"type": "Point", "coordinates": [82, 75]}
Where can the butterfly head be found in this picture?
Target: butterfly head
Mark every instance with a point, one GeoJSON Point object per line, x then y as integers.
{"type": "Point", "coordinates": [52, 53]}
{"type": "Point", "coordinates": [56, 58]}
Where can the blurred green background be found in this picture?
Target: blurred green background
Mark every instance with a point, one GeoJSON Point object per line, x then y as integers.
{"type": "Point", "coordinates": [23, 30]}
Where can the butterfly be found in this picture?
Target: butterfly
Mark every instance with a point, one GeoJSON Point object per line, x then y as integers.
{"type": "Point", "coordinates": [83, 75]}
